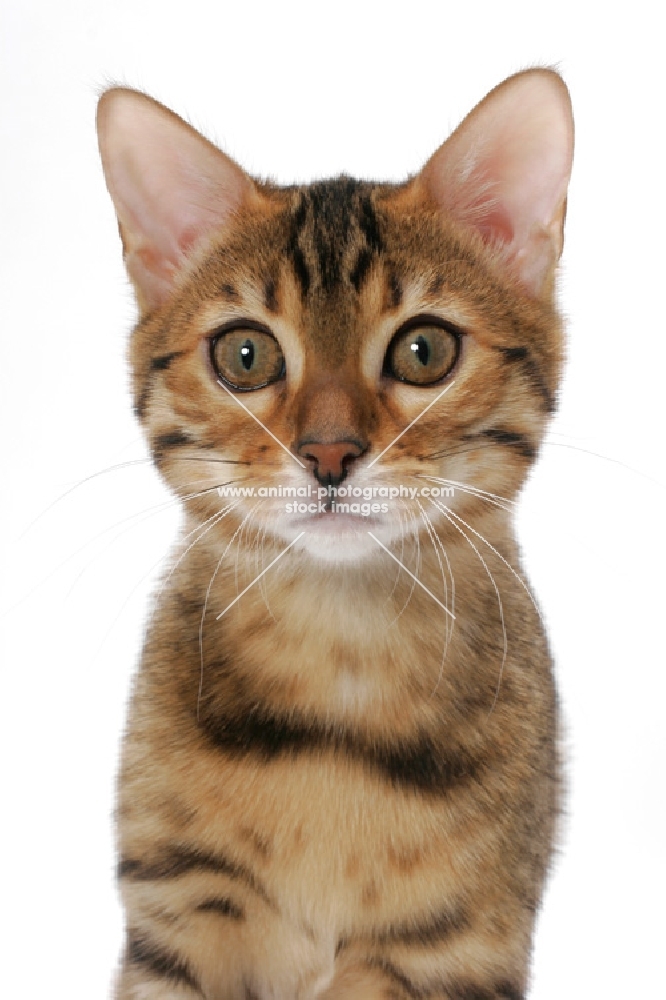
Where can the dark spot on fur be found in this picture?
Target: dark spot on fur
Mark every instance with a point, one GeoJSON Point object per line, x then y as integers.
{"type": "Point", "coordinates": [369, 225]}
{"type": "Point", "coordinates": [369, 894]}
{"type": "Point", "coordinates": [436, 284]}
{"type": "Point", "coordinates": [141, 403]}
{"type": "Point", "coordinates": [293, 249]}
{"type": "Point", "coordinates": [223, 907]}
{"type": "Point", "coordinates": [164, 361]}
{"type": "Point", "coordinates": [159, 961]}
{"type": "Point", "coordinates": [514, 353]}
{"type": "Point", "coordinates": [522, 357]}
{"type": "Point", "coordinates": [425, 932]}
{"type": "Point", "coordinates": [361, 268]}
{"type": "Point", "coordinates": [512, 439]}
{"type": "Point", "coordinates": [404, 860]}
{"type": "Point", "coordinates": [170, 439]}
{"type": "Point", "coordinates": [257, 842]}
{"type": "Point", "coordinates": [395, 291]}
{"type": "Point", "coordinates": [270, 296]}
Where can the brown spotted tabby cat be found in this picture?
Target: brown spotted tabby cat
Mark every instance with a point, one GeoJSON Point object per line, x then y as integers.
{"type": "Point", "coordinates": [340, 773]}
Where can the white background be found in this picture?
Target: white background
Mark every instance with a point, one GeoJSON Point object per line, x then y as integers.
{"type": "Point", "coordinates": [295, 91]}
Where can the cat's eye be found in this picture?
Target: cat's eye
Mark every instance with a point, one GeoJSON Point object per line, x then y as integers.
{"type": "Point", "coordinates": [246, 356]}
{"type": "Point", "coordinates": [423, 351]}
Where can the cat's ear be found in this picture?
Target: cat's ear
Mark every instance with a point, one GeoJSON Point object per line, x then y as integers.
{"type": "Point", "coordinates": [171, 188]}
{"type": "Point", "coordinates": [505, 171]}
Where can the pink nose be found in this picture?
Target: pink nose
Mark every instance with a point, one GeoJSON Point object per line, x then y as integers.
{"type": "Point", "coordinates": [331, 461]}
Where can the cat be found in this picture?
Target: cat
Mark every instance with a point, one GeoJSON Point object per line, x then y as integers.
{"type": "Point", "coordinates": [340, 777]}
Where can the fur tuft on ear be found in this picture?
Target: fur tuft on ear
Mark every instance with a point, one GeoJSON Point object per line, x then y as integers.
{"type": "Point", "coordinates": [505, 172]}
{"type": "Point", "coordinates": [171, 188]}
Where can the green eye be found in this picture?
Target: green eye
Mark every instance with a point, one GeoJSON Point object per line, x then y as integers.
{"type": "Point", "coordinates": [423, 352]}
{"type": "Point", "coordinates": [247, 356]}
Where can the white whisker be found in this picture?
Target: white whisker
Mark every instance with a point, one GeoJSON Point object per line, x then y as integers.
{"type": "Point", "coordinates": [493, 498]}
{"type": "Point", "coordinates": [205, 604]}
{"type": "Point", "coordinates": [218, 516]}
{"type": "Point", "coordinates": [448, 630]}
{"type": "Point", "coordinates": [236, 398]}
{"type": "Point", "coordinates": [505, 561]}
{"type": "Point", "coordinates": [211, 522]}
{"type": "Point", "coordinates": [445, 512]}
{"type": "Point", "coordinates": [432, 532]}
{"type": "Point", "coordinates": [409, 573]}
{"type": "Point", "coordinates": [421, 414]}
{"type": "Point", "coordinates": [257, 578]}
{"type": "Point", "coordinates": [418, 565]}
{"type": "Point", "coordinates": [263, 586]}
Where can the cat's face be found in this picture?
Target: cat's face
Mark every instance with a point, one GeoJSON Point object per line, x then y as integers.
{"type": "Point", "coordinates": [345, 343]}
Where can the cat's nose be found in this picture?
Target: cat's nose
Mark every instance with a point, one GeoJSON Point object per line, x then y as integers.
{"type": "Point", "coordinates": [331, 461]}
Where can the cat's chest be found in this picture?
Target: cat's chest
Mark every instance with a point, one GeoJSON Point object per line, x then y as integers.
{"type": "Point", "coordinates": [333, 843]}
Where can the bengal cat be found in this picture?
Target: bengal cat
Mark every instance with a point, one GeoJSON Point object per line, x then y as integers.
{"type": "Point", "coordinates": [340, 775]}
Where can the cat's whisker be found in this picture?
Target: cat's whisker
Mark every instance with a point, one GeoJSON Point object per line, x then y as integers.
{"type": "Point", "coordinates": [448, 629]}
{"type": "Point", "coordinates": [402, 516]}
{"type": "Point", "coordinates": [604, 458]}
{"type": "Point", "coordinates": [130, 463]}
{"type": "Point", "coordinates": [462, 449]}
{"type": "Point", "coordinates": [206, 599]}
{"type": "Point", "coordinates": [284, 447]}
{"type": "Point", "coordinates": [499, 555]}
{"type": "Point", "coordinates": [494, 498]}
{"type": "Point", "coordinates": [410, 574]}
{"type": "Point", "coordinates": [414, 577]}
{"type": "Point", "coordinates": [207, 526]}
{"type": "Point", "coordinates": [142, 516]}
{"type": "Point", "coordinates": [259, 577]}
{"type": "Point", "coordinates": [179, 457]}
{"type": "Point", "coordinates": [218, 517]}
{"type": "Point", "coordinates": [263, 585]}
{"type": "Point", "coordinates": [396, 579]}
{"type": "Point", "coordinates": [248, 545]}
{"type": "Point", "coordinates": [253, 546]}
{"type": "Point", "coordinates": [432, 531]}
{"type": "Point", "coordinates": [455, 451]}
{"type": "Point", "coordinates": [82, 482]}
{"type": "Point", "coordinates": [412, 422]}
{"type": "Point", "coordinates": [444, 510]}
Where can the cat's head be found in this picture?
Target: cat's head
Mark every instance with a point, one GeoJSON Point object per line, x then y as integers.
{"type": "Point", "coordinates": [351, 336]}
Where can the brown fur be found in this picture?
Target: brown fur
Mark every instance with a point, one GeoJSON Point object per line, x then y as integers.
{"type": "Point", "coordinates": [338, 792]}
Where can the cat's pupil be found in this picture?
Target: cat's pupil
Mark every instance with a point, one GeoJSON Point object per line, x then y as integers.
{"type": "Point", "coordinates": [247, 355]}
{"type": "Point", "coordinates": [421, 349]}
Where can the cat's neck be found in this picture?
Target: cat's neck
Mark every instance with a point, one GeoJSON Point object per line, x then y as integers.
{"type": "Point", "coordinates": [339, 645]}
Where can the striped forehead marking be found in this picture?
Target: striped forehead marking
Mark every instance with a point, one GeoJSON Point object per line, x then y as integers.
{"type": "Point", "coordinates": [334, 235]}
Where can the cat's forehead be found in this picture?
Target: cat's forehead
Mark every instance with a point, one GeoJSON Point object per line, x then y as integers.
{"type": "Point", "coordinates": [340, 252]}
{"type": "Point", "coordinates": [322, 256]}
{"type": "Point", "coordinates": [335, 261]}
{"type": "Point", "coordinates": [335, 233]}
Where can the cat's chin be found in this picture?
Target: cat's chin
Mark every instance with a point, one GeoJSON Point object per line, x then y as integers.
{"type": "Point", "coordinates": [337, 538]}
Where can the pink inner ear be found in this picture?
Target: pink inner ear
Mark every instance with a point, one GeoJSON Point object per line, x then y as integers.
{"type": "Point", "coordinates": [495, 226]}
{"type": "Point", "coordinates": [505, 171]}
{"type": "Point", "coordinates": [171, 188]}
{"type": "Point", "coordinates": [188, 238]}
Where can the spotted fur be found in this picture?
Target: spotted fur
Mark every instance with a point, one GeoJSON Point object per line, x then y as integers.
{"type": "Point", "coordinates": [331, 789]}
